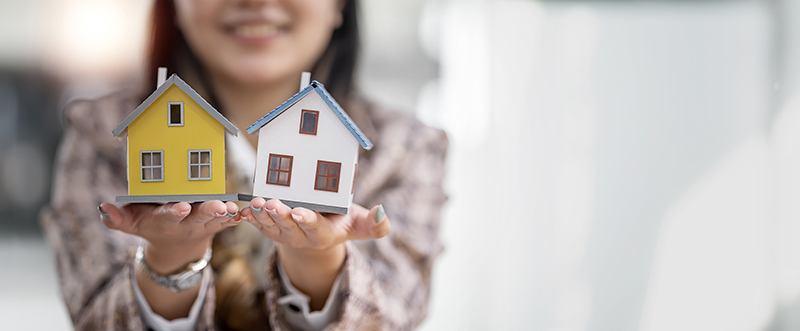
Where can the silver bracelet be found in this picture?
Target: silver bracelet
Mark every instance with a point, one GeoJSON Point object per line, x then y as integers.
{"type": "Point", "coordinates": [177, 282]}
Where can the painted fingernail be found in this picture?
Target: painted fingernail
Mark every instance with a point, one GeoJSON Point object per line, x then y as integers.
{"type": "Point", "coordinates": [103, 214]}
{"type": "Point", "coordinates": [231, 215]}
{"type": "Point", "coordinates": [380, 215]}
{"type": "Point", "coordinates": [258, 210]}
{"type": "Point", "coordinates": [297, 218]}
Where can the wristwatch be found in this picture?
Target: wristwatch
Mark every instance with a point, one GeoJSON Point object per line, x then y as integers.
{"type": "Point", "coordinates": [178, 282]}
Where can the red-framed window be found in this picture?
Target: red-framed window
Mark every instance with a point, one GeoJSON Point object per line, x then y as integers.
{"type": "Point", "coordinates": [309, 121]}
{"type": "Point", "coordinates": [328, 176]}
{"type": "Point", "coordinates": [279, 171]}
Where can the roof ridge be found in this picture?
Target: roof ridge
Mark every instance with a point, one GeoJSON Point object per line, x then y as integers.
{"type": "Point", "coordinates": [328, 99]}
{"type": "Point", "coordinates": [174, 79]}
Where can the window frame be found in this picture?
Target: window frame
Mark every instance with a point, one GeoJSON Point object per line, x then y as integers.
{"type": "Point", "coordinates": [303, 119]}
{"type": "Point", "coordinates": [338, 176]}
{"type": "Point", "coordinates": [279, 171]}
{"type": "Point", "coordinates": [169, 113]}
{"type": "Point", "coordinates": [199, 163]}
{"type": "Point", "coordinates": [151, 166]}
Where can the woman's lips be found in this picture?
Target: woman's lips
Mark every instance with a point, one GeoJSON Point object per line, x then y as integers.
{"type": "Point", "coordinates": [255, 33]}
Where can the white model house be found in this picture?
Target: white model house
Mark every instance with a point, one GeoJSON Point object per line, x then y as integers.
{"type": "Point", "coordinates": [308, 152]}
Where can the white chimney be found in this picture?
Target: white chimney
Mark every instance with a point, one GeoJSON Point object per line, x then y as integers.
{"type": "Point", "coordinates": [305, 79]}
{"type": "Point", "coordinates": [162, 76]}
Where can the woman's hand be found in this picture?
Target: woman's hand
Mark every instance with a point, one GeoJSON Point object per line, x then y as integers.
{"type": "Point", "coordinates": [177, 234]}
{"type": "Point", "coordinates": [311, 244]}
{"type": "Point", "coordinates": [301, 228]}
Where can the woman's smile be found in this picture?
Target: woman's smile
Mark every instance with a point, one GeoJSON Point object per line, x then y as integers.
{"type": "Point", "coordinates": [258, 29]}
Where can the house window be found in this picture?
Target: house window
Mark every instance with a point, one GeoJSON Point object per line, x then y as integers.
{"type": "Point", "coordinates": [175, 113]}
{"type": "Point", "coordinates": [328, 176]}
{"type": "Point", "coordinates": [308, 122]}
{"type": "Point", "coordinates": [280, 169]}
{"type": "Point", "coordinates": [152, 166]}
{"type": "Point", "coordinates": [200, 164]}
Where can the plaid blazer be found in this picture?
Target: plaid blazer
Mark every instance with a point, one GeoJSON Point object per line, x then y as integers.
{"type": "Point", "coordinates": [386, 282]}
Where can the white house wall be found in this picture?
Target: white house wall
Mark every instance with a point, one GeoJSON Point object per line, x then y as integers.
{"type": "Point", "coordinates": [333, 143]}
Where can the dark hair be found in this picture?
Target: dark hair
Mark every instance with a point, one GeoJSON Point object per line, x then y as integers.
{"type": "Point", "coordinates": [240, 304]}
{"type": "Point", "coordinates": [168, 48]}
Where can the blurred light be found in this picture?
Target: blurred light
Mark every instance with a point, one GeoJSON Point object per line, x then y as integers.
{"type": "Point", "coordinates": [91, 32]}
{"type": "Point", "coordinates": [94, 38]}
{"type": "Point", "coordinates": [91, 28]}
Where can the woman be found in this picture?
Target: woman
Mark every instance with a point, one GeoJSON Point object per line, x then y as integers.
{"type": "Point", "coordinates": [246, 57]}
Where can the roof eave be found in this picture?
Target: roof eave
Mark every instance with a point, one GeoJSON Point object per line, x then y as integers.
{"type": "Point", "coordinates": [188, 90]}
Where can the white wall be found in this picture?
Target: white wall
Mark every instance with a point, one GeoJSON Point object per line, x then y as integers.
{"type": "Point", "coordinates": [629, 162]}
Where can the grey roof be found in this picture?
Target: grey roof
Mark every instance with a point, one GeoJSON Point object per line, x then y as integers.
{"type": "Point", "coordinates": [177, 81]}
{"type": "Point", "coordinates": [332, 104]}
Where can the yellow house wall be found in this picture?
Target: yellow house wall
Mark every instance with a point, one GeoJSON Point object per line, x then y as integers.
{"type": "Point", "coordinates": [150, 132]}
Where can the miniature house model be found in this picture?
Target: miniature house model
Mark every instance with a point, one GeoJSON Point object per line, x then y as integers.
{"type": "Point", "coordinates": [176, 146]}
{"type": "Point", "coordinates": [308, 152]}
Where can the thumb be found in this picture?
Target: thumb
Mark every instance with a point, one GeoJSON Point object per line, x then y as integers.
{"type": "Point", "coordinates": [111, 216]}
{"type": "Point", "coordinates": [376, 222]}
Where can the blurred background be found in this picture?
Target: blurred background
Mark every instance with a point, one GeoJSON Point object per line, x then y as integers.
{"type": "Point", "coordinates": [642, 158]}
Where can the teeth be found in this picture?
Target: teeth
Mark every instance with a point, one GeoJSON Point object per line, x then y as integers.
{"type": "Point", "coordinates": [255, 30]}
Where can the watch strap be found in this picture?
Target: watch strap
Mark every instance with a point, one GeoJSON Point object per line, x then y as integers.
{"type": "Point", "coordinates": [178, 282]}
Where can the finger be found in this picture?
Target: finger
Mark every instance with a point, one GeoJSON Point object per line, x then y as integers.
{"type": "Point", "coordinates": [112, 217]}
{"type": "Point", "coordinates": [308, 220]}
{"type": "Point", "coordinates": [208, 211]}
{"type": "Point", "coordinates": [128, 217]}
{"type": "Point", "coordinates": [172, 213]}
{"type": "Point", "coordinates": [282, 215]}
{"type": "Point", "coordinates": [254, 212]}
{"type": "Point", "coordinates": [317, 227]}
{"type": "Point", "coordinates": [220, 218]}
{"type": "Point", "coordinates": [234, 217]}
{"type": "Point", "coordinates": [373, 223]}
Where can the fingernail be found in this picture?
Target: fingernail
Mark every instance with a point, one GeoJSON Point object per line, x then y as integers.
{"type": "Point", "coordinates": [380, 215]}
{"type": "Point", "coordinates": [231, 215]}
{"type": "Point", "coordinates": [221, 214]}
{"type": "Point", "coordinates": [183, 213]}
{"type": "Point", "coordinates": [258, 210]}
{"type": "Point", "coordinates": [103, 214]}
{"type": "Point", "coordinates": [272, 213]}
{"type": "Point", "coordinates": [297, 218]}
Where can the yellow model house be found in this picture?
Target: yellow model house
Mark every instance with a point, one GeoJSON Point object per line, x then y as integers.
{"type": "Point", "coordinates": [176, 147]}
